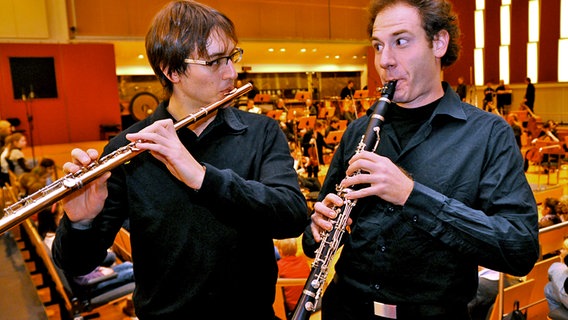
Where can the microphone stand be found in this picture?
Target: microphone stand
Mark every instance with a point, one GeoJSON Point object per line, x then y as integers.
{"type": "Point", "coordinates": [29, 115]}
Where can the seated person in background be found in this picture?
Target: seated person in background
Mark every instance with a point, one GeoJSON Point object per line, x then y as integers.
{"type": "Point", "coordinates": [47, 224]}
{"type": "Point", "coordinates": [5, 130]}
{"type": "Point", "coordinates": [309, 150]}
{"type": "Point", "coordinates": [12, 157]}
{"type": "Point", "coordinates": [41, 175]}
{"type": "Point", "coordinates": [46, 171]}
{"type": "Point", "coordinates": [480, 306]}
{"type": "Point", "coordinates": [548, 132]}
{"type": "Point", "coordinates": [320, 141]}
{"type": "Point", "coordinates": [548, 213]}
{"type": "Point", "coordinates": [291, 265]}
{"type": "Point", "coordinates": [124, 274]}
{"type": "Point", "coordinates": [513, 121]}
{"type": "Point", "coordinates": [556, 289]}
{"type": "Point", "coordinates": [312, 109]}
{"type": "Point", "coordinates": [562, 208]}
{"type": "Point", "coordinates": [333, 125]}
{"type": "Point", "coordinates": [251, 107]}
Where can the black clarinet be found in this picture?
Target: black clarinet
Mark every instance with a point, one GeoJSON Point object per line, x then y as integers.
{"type": "Point", "coordinates": [331, 239]}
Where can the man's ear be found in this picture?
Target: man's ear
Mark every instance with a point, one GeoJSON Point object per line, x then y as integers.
{"type": "Point", "coordinates": [440, 43]}
{"type": "Point", "coordinates": [173, 77]}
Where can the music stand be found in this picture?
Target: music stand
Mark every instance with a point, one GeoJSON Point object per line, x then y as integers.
{"type": "Point", "coordinates": [307, 122]}
{"type": "Point", "coordinates": [360, 94]}
{"type": "Point", "coordinates": [326, 113]}
{"type": "Point", "coordinates": [333, 137]}
{"type": "Point", "coordinates": [274, 114]}
{"type": "Point", "coordinates": [261, 98]}
{"type": "Point", "coordinates": [303, 95]}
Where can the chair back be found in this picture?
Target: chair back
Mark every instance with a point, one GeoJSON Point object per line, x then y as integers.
{"type": "Point", "coordinates": [519, 292]}
{"type": "Point", "coordinates": [551, 239]}
{"type": "Point", "coordinates": [60, 283]}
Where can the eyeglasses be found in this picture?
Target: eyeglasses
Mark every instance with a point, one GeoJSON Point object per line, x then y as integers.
{"type": "Point", "coordinates": [235, 57]}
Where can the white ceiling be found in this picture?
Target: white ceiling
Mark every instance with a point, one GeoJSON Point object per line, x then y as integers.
{"type": "Point", "coordinates": [317, 57]}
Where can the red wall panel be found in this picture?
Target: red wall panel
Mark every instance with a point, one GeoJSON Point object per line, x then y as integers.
{"type": "Point", "coordinates": [548, 46]}
{"type": "Point", "coordinates": [519, 39]}
{"type": "Point", "coordinates": [87, 92]}
{"type": "Point", "coordinates": [464, 10]}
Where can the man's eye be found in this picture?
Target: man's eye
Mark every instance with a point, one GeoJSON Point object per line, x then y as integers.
{"type": "Point", "coordinates": [378, 46]}
{"type": "Point", "coordinates": [215, 62]}
{"type": "Point", "coordinates": [401, 42]}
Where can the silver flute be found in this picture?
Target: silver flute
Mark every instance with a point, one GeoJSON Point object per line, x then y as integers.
{"type": "Point", "coordinates": [331, 239]}
{"type": "Point", "coordinates": [59, 189]}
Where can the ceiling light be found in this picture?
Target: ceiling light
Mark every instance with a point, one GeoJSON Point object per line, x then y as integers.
{"type": "Point", "coordinates": [354, 57]}
{"type": "Point", "coordinates": [303, 50]}
{"type": "Point", "coordinates": [337, 57]}
{"type": "Point", "coordinates": [282, 49]}
{"type": "Point", "coordinates": [270, 49]}
{"type": "Point", "coordinates": [140, 56]}
{"type": "Point", "coordinates": [314, 50]}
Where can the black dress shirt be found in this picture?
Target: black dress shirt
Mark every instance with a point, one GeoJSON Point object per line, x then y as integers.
{"type": "Point", "coordinates": [471, 205]}
{"type": "Point", "coordinates": [207, 254]}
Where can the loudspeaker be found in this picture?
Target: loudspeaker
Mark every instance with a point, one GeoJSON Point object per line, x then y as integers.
{"type": "Point", "coordinates": [33, 77]}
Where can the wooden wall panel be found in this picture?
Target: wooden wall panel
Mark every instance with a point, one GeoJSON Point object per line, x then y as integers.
{"type": "Point", "coordinates": [312, 23]}
{"type": "Point", "coordinates": [349, 23]}
{"type": "Point", "coordinates": [16, 15]}
{"type": "Point", "coordinates": [100, 18]}
{"type": "Point", "coordinates": [254, 19]}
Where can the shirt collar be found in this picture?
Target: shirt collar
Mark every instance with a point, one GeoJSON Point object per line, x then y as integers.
{"type": "Point", "coordinates": [449, 105]}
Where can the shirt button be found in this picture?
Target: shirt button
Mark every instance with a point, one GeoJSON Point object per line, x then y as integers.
{"type": "Point", "coordinates": [383, 248]}
{"type": "Point", "coordinates": [377, 286]}
{"type": "Point", "coordinates": [390, 209]}
{"type": "Point", "coordinates": [414, 218]}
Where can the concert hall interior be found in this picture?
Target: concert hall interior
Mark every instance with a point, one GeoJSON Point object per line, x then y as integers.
{"type": "Point", "coordinates": [74, 74]}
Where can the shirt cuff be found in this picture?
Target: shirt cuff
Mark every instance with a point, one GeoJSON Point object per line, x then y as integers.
{"type": "Point", "coordinates": [82, 225]}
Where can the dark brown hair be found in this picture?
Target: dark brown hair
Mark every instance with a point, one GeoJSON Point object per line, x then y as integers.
{"type": "Point", "coordinates": [437, 15]}
{"type": "Point", "coordinates": [181, 29]}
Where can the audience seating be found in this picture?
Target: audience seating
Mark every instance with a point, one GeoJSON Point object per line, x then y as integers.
{"type": "Point", "coordinates": [551, 239]}
{"type": "Point", "coordinates": [73, 305]}
{"type": "Point", "coordinates": [279, 303]}
{"type": "Point", "coordinates": [531, 296]}
{"type": "Point", "coordinates": [554, 153]}
{"type": "Point", "coordinates": [519, 292]}
{"type": "Point", "coordinates": [555, 192]}
{"type": "Point", "coordinates": [121, 245]}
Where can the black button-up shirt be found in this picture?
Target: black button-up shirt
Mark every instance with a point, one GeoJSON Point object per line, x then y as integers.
{"type": "Point", "coordinates": [471, 205]}
{"type": "Point", "coordinates": [207, 254]}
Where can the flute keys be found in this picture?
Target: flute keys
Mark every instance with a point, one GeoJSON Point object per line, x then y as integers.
{"type": "Point", "coordinates": [71, 183]}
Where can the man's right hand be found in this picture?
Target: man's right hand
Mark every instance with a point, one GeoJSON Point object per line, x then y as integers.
{"type": "Point", "coordinates": [323, 214]}
{"type": "Point", "coordinates": [85, 204]}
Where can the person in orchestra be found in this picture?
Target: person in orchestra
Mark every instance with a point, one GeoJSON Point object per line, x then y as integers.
{"type": "Point", "coordinates": [205, 202]}
{"type": "Point", "coordinates": [444, 193]}
{"type": "Point", "coordinates": [348, 92]}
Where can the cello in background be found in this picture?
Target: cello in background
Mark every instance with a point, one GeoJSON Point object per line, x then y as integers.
{"type": "Point", "coordinates": [534, 122]}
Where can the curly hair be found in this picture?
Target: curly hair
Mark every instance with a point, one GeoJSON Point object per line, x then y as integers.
{"type": "Point", "coordinates": [437, 15]}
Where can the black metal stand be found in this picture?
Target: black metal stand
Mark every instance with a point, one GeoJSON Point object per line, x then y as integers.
{"type": "Point", "coordinates": [28, 100]}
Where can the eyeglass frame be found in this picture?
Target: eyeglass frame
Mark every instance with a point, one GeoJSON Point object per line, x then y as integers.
{"type": "Point", "coordinates": [236, 52]}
